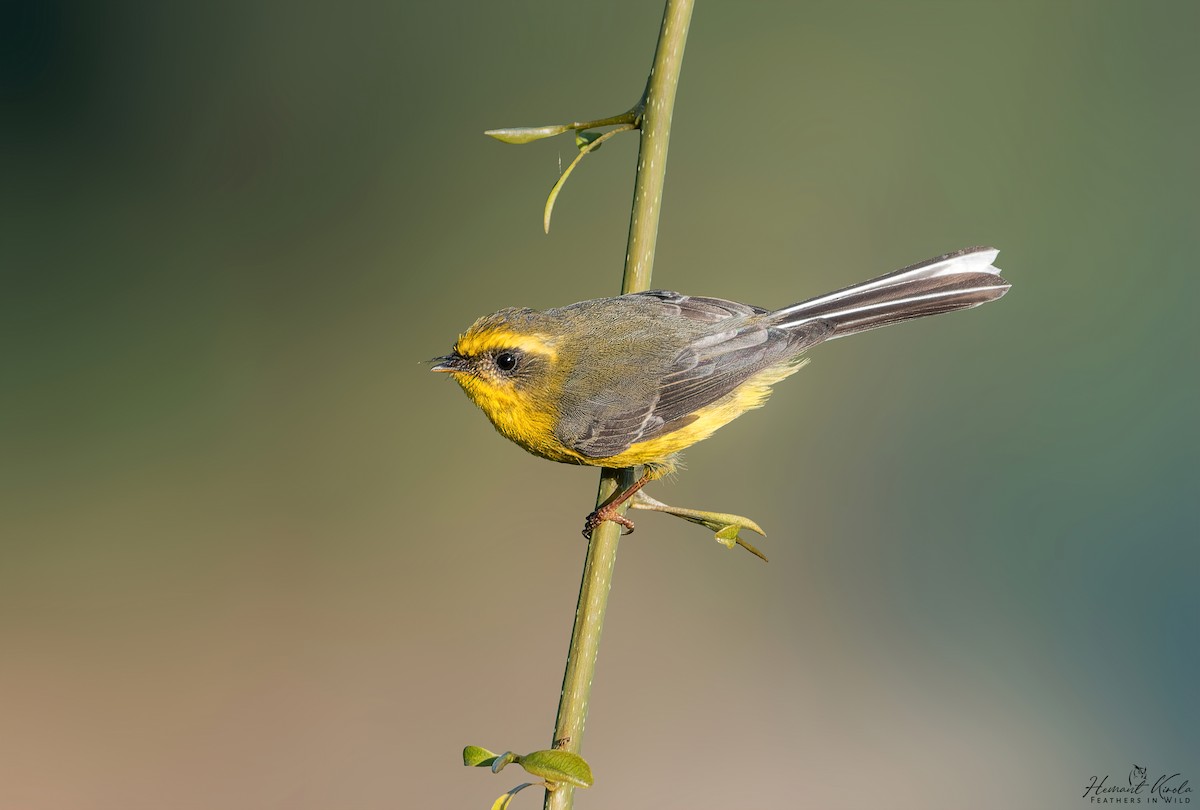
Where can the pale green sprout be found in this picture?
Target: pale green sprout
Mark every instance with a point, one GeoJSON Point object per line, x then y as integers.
{"type": "Point", "coordinates": [554, 766]}
{"type": "Point", "coordinates": [585, 142]}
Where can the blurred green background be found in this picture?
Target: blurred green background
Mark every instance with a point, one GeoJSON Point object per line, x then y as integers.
{"type": "Point", "coordinates": [255, 556]}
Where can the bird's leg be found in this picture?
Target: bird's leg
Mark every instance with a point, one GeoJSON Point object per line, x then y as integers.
{"type": "Point", "coordinates": [609, 510]}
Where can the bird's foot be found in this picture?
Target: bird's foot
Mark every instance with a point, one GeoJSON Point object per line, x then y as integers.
{"type": "Point", "coordinates": [607, 512]}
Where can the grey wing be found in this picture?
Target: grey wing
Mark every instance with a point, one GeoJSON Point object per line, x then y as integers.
{"type": "Point", "coordinates": [698, 308]}
{"type": "Point", "coordinates": [710, 366]}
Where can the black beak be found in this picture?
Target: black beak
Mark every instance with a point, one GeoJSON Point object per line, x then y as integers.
{"type": "Point", "coordinates": [450, 363]}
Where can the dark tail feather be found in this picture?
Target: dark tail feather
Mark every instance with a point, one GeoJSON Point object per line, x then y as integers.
{"type": "Point", "coordinates": [955, 281]}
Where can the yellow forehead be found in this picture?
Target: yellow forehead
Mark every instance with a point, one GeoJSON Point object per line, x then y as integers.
{"type": "Point", "coordinates": [481, 339]}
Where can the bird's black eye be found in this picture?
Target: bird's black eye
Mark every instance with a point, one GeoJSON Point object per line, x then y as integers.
{"type": "Point", "coordinates": [506, 361]}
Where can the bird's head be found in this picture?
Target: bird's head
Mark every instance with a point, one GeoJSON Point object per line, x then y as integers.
{"type": "Point", "coordinates": [505, 362]}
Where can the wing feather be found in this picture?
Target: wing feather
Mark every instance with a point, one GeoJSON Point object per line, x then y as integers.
{"type": "Point", "coordinates": [713, 363]}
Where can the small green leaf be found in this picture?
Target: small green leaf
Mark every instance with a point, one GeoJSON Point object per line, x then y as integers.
{"type": "Point", "coordinates": [583, 139]}
{"type": "Point", "coordinates": [502, 761]}
{"type": "Point", "coordinates": [550, 200]}
{"type": "Point", "coordinates": [750, 547]}
{"type": "Point", "coordinates": [474, 756]}
{"type": "Point", "coordinates": [724, 526]}
{"type": "Point", "coordinates": [558, 766]}
{"type": "Point", "coordinates": [728, 536]}
{"type": "Point", "coordinates": [502, 802]}
{"type": "Point", "coordinates": [520, 135]}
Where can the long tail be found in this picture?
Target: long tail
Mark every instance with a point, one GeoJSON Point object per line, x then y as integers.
{"type": "Point", "coordinates": [957, 280]}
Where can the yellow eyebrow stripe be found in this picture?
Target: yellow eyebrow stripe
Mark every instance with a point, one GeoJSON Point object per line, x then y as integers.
{"type": "Point", "coordinates": [475, 343]}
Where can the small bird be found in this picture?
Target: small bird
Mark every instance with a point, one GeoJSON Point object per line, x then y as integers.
{"type": "Point", "coordinates": [635, 379]}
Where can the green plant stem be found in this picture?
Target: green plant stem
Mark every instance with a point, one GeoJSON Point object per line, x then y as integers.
{"type": "Point", "coordinates": [652, 153]}
{"type": "Point", "coordinates": [630, 116]}
{"type": "Point", "coordinates": [639, 261]}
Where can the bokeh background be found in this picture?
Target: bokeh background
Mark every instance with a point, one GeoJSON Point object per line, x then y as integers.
{"type": "Point", "coordinates": [255, 556]}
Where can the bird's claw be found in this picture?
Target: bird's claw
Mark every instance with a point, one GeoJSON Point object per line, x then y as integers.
{"type": "Point", "coordinates": [600, 515]}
